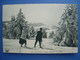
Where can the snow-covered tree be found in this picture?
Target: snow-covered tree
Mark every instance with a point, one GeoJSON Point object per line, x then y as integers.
{"type": "Point", "coordinates": [19, 23]}
{"type": "Point", "coordinates": [68, 27]}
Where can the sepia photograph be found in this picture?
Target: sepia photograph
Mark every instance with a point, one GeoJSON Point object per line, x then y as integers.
{"type": "Point", "coordinates": [40, 28]}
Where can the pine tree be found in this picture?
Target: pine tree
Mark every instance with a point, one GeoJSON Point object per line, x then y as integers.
{"type": "Point", "coordinates": [19, 23]}
{"type": "Point", "coordinates": [68, 29]}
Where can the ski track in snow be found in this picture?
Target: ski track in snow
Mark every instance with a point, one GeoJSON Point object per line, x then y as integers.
{"type": "Point", "coordinates": [13, 46]}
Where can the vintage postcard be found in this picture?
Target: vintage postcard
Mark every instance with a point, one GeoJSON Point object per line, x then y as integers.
{"type": "Point", "coordinates": [40, 28]}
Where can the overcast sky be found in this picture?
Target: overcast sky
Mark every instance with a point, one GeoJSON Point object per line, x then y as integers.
{"type": "Point", "coordinates": [48, 14]}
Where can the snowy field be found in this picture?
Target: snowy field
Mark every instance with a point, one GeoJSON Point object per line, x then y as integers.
{"type": "Point", "coordinates": [13, 46]}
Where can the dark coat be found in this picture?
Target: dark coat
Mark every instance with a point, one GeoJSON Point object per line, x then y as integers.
{"type": "Point", "coordinates": [39, 36]}
{"type": "Point", "coordinates": [22, 41]}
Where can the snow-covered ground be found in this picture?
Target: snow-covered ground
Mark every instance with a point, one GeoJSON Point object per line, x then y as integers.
{"type": "Point", "coordinates": [13, 46]}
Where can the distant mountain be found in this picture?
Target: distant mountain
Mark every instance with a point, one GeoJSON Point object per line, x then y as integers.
{"type": "Point", "coordinates": [37, 24]}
